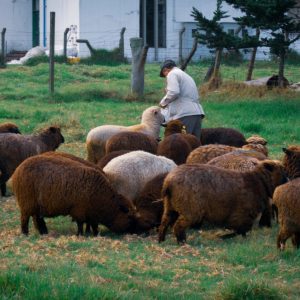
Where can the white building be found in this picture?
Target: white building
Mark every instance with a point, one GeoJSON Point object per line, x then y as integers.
{"type": "Point", "coordinates": [100, 21]}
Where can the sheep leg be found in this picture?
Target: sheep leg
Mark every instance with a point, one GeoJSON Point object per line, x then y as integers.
{"type": "Point", "coordinates": [24, 224]}
{"type": "Point", "coordinates": [95, 229]}
{"type": "Point", "coordinates": [265, 219]}
{"type": "Point", "coordinates": [88, 228]}
{"type": "Point", "coordinates": [283, 235]}
{"type": "Point", "coordinates": [79, 227]}
{"type": "Point", "coordinates": [3, 189]}
{"type": "Point", "coordinates": [40, 225]}
{"type": "Point", "coordinates": [165, 223]}
{"type": "Point", "coordinates": [296, 239]}
{"type": "Point", "coordinates": [179, 229]}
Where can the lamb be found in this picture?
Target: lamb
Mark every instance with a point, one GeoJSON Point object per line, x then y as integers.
{"type": "Point", "coordinates": [176, 126]}
{"type": "Point", "coordinates": [96, 139]}
{"type": "Point", "coordinates": [287, 200]}
{"type": "Point", "coordinates": [194, 193]}
{"type": "Point", "coordinates": [174, 147]}
{"type": "Point", "coordinates": [149, 204]}
{"type": "Point", "coordinates": [49, 186]}
{"type": "Point", "coordinates": [131, 140]}
{"type": "Point", "coordinates": [130, 172]}
{"type": "Point", "coordinates": [9, 128]}
{"type": "Point", "coordinates": [14, 148]}
{"type": "Point", "coordinates": [223, 136]}
{"type": "Point", "coordinates": [291, 161]}
{"type": "Point", "coordinates": [204, 154]}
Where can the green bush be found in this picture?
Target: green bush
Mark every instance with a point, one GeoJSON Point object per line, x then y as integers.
{"type": "Point", "coordinates": [34, 61]}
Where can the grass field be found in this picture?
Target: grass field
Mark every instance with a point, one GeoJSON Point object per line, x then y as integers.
{"type": "Point", "coordinates": [64, 266]}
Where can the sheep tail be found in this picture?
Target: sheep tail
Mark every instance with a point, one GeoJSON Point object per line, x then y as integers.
{"type": "Point", "coordinates": [166, 192]}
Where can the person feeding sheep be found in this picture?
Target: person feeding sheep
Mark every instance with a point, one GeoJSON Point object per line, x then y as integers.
{"type": "Point", "coordinates": [182, 98]}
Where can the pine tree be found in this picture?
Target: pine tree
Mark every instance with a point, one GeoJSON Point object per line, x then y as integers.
{"type": "Point", "coordinates": [273, 17]}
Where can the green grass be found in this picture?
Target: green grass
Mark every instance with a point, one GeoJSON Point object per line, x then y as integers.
{"type": "Point", "coordinates": [63, 266]}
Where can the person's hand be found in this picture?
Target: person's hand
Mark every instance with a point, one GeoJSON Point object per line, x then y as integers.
{"type": "Point", "coordinates": [162, 106]}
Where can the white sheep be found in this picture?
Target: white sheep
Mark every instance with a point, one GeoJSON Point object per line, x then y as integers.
{"type": "Point", "coordinates": [130, 172]}
{"type": "Point", "coordinates": [97, 137]}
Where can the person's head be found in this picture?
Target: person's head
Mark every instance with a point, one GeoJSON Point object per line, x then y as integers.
{"type": "Point", "coordinates": [166, 67]}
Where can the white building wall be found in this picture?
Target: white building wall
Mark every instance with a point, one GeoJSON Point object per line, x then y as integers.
{"type": "Point", "coordinates": [16, 17]}
{"type": "Point", "coordinates": [66, 16]}
{"type": "Point", "coordinates": [101, 23]}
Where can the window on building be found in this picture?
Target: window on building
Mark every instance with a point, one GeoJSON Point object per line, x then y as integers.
{"type": "Point", "coordinates": [147, 22]}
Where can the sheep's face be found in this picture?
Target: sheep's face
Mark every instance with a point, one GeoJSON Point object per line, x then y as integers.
{"type": "Point", "coordinates": [153, 115]}
{"type": "Point", "coordinates": [55, 132]}
{"type": "Point", "coordinates": [175, 126]}
{"type": "Point", "coordinates": [277, 173]}
{"type": "Point", "coordinates": [291, 161]}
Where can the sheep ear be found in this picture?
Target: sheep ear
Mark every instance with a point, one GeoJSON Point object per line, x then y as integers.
{"type": "Point", "coordinates": [53, 129]}
{"type": "Point", "coordinates": [287, 151]}
{"type": "Point", "coordinates": [269, 166]}
{"type": "Point", "coordinates": [156, 112]}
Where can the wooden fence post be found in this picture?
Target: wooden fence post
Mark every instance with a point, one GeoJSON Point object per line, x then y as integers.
{"type": "Point", "coordinates": [51, 53]}
{"type": "Point", "coordinates": [121, 43]}
{"type": "Point", "coordinates": [181, 32]}
{"type": "Point", "coordinates": [2, 57]}
{"type": "Point", "coordinates": [139, 55]}
{"type": "Point", "coordinates": [65, 42]}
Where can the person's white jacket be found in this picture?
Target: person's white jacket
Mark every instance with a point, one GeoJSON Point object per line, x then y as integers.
{"type": "Point", "coordinates": [182, 97]}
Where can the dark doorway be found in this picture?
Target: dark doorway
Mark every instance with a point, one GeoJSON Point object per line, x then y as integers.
{"type": "Point", "coordinates": [35, 23]}
{"type": "Point", "coordinates": [147, 22]}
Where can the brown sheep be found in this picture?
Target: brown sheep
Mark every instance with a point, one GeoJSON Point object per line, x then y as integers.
{"type": "Point", "coordinates": [9, 128]}
{"type": "Point", "coordinates": [287, 200]}
{"type": "Point", "coordinates": [108, 157]}
{"type": "Point", "coordinates": [223, 136]}
{"type": "Point", "coordinates": [14, 148]}
{"type": "Point", "coordinates": [176, 126]}
{"type": "Point", "coordinates": [49, 186]}
{"type": "Point", "coordinates": [195, 193]}
{"type": "Point", "coordinates": [174, 147]}
{"type": "Point", "coordinates": [149, 204]}
{"type": "Point", "coordinates": [130, 140]}
{"type": "Point", "coordinates": [291, 161]}
{"type": "Point", "coordinates": [205, 153]}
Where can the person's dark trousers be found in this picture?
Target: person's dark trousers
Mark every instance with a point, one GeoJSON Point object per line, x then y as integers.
{"type": "Point", "coordinates": [193, 124]}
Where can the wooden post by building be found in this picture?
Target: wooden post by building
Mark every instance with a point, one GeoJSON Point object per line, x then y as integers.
{"type": "Point", "coordinates": [51, 53]}
{"type": "Point", "coordinates": [139, 55]}
{"type": "Point", "coordinates": [2, 57]}
{"type": "Point", "coordinates": [181, 32]}
{"type": "Point", "coordinates": [121, 43]}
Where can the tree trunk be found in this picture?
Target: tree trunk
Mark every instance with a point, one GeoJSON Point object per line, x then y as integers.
{"type": "Point", "coordinates": [121, 44]}
{"type": "Point", "coordinates": [191, 54]}
{"type": "Point", "coordinates": [252, 59]}
{"type": "Point", "coordinates": [139, 55]}
{"type": "Point", "coordinates": [215, 80]}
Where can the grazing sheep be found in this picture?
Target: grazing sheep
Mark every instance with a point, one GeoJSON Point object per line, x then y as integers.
{"type": "Point", "coordinates": [9, 128]}
{"type": "Point", "coordinates": [14, 148]}
{"type": "Point", "coordinates": [97, 137]}
{"type": "Point", "coordinates": [130, 172]}
{"type": "Point", "coordinates": [287, 200]}
{"type": "Point", "coordinates": [149, 204]}
{"type": "Point", "coordinates": [256, 142]}
{"type": "Point", "coordinates": [176, 126]}
{"type": "Point", "coordinates": [132, 141]}
{"type": "Point", "coordinates": [234, 161]}
{"type": "Point", "coordinates": [49, 186]}
{"type": "Point", "coordinates": [108, 157]}
{"type": "Point", "coordinates": [223, 136]}
{"type": "Point", "coordinates": [174, 147]}
{"type": "Point", "coordinates": [205, 153]}
{"type": "Point", "coordinates": [194, 193]}
{"type": "Point", "coordinates": [291, 161]}
{"type": "Point", "coordinates": [261, 150]}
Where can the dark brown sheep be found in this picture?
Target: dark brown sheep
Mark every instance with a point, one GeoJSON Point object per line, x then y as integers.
{"type": "Point", "coordinates": [195, 193]}
{"type": "Point", "coordinates": [223, 136]}
{"type": "Point", "coordinates": [108, 157]}
{"type": "Point", "coordinates": [9, 128]}
{"type": "Point", "coordinates": [149, 204]}
{"type": "Point", "coordinates": [131, 140]}
{"type": "Point", "coordinates": [174, 147]}
{"type": "Point", "coordinates": [49, 186]}
{"type": "Point", "coordinates": [287, 200]}
{"type": "Point", "coordinates": [291, 161]}
{"type": "Point", "coordinates": [14, 148]}
{"type": "Point", "coordinates": [176, 126]}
